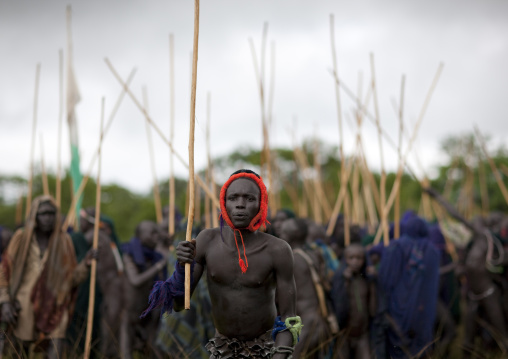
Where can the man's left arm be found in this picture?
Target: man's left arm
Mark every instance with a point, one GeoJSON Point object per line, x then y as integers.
{"type": "Point", "coordinates": [286, 299]}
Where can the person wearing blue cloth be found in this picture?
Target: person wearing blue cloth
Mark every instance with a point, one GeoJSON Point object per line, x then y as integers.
{"type": "Point", "coordinates": [408, 282]}
{"type": "Point", "coordinates": [143, 265]}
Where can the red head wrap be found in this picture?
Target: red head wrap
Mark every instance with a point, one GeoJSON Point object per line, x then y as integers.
{"type": "Point", "coordinates": [258, 220]}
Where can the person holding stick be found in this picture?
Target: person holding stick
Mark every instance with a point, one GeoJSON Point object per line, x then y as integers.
{"type": "Point", "coordinates": [249, 273]}
{"type": "Point", "coordinates": [38, 279]}
{"type": "Point", "coordinates": [143, 265]}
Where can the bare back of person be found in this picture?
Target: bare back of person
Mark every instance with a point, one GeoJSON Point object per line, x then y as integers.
{"type": "Point", "coordinates": [243, 304]}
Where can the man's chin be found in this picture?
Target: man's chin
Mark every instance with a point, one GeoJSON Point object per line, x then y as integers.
{"type": "Point", "coordinates": [239, 224]}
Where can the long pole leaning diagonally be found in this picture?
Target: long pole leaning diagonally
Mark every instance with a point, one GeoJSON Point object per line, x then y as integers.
{"type": "Point", "coordinates": [93, 269]}
{"type": "Point", "coordinates": [81, 188]}
{"type": "Point", "coordinates": [201, 183]}
{"type": "Point", "coordinates": [493, 167]}
{"type": "Point", "coordinates": [190, 216]}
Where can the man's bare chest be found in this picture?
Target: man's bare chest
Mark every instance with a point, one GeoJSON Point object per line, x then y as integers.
{"type": "Point", "coordinates": [223, 268]}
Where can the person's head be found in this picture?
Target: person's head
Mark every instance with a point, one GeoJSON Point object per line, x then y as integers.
{"type": "Point", "coordinates": [244, 201]}
{"type": "Point", "coordinates": [294, 231]}
{"type": "Point", "coordinates": [416, 227]}
{"type": "Point", "coordinates": [354, 256]}
{"type": "Point", "coordinates": [279, 218]}
{"type": "Point", "coordinates": [45, 217]}
{"type": "Point", "coordinates": [148, 234]}
{"type": "Point", "coordinates": [317, 232]}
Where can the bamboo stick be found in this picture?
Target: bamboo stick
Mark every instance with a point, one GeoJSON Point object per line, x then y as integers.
{"type": "Point", "coordinates": [493, 167]}
{"type": "Point", "coordinates": [155, 186]}
{"type": "Point", "coordinates": [19, 210]}
{"type": "Point", "coordinates": [161, 134]}
{"type": "Point", "coordinates": [396, 185]}
{"type": "Point", "coordinates": [71, 214]}
{"type": "Point", "coordinates": [339, 201]}
{"type": "Point", "coordinates": [265, 115]}
{"type": "Point", "coordinates": [171, 215]}
{"type": "Point", "coordinates": [44, 174]}
{"type": "Point", "coordinates": [355, 188]}
{"type": "Point", "coordinates": [396, 230]}
{"type": "Point", "coordinates": [382, 185]}
{"type": "Point", "coordinates": [93, 269]}
{"type": "Point", "coordinates": [343, 181]}
{"type": "Point", "coordinates": [32, 150]}
{"type": "Point", "coordinates": [58, 189]}
{"type": "Point", "coordinates": [190, 216]}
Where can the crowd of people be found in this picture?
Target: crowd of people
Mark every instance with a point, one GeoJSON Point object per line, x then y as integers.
{"type": "Point", "coordinates": [263, 286]}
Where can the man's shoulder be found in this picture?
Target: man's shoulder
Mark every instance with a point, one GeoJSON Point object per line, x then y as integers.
{"type": "Point", "coordinates": [275, 243]}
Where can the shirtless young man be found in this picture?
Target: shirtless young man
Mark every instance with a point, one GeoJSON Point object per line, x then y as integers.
{"type": "Point", "coordinates": [248, 272]}
{"type": "Point", "coordinates": [311, 302]}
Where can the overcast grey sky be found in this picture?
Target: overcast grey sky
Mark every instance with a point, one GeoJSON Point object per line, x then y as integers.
{"type": "Point", "coordinates": [406, 37]}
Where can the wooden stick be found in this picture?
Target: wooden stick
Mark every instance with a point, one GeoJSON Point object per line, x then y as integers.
{"type": "Point", "coordinates": [493, 167]}
{"type": "Point", "coordinates": [34, 125]}
{"type": "Point", "coordinates": [190, 217]}
{"type": "Point", "coordinates": [161, 134]}
{"type": "Point", "coordinates": [382, 186]}
{"type": "Point", "coordinates": [155, 186]}
{"type": "Point", "coordinates": [93, 269]}
{"type": "Point", "coordinates": [71, 214]}
{"type": "Point", "coordinates": [396, 184]}
{"type": "Point", "coordinates": [396, 230]}
{"type": "Point", "coordinates": [339, 201]}
{"type": "Point", "coordinates": [44, 174]}
{"type": "Point", "coordinates": [343, 181]}
{"type": "Point", "coordinates": [58, 189]}
{"type": "Point", "coordinates": [171, 215]}
{"type": "Point", "coordinates": [19, 211]}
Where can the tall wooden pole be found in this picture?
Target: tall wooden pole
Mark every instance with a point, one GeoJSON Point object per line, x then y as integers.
{"type": "Point", "coordinates": [93, 269]}
{"type": "Point", "coordinates": [72, 208]}
{"type": "Point", "coordinates": [190, 216]}
{"type": "Point", "coordinates": [161, 134]}
{"type": "Point", "coordinates": [155, 186]}
{"type": "Point", "coordinates": [396, 230]}
{"type": "Point", "coordinates": [44, 174]}
{"type": "Point", "coordinates": [343, 179]}
{"type": "Point", "coordinates": [58, 189]}
{"type": "Point", "coordinates": [32, 151]}
{"type": "Point", "coordinates": [382, 185]}
{"type": "Point", "coordinates": [171, 219]}
{"type": "Point", "coordinates": [493, 167]}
